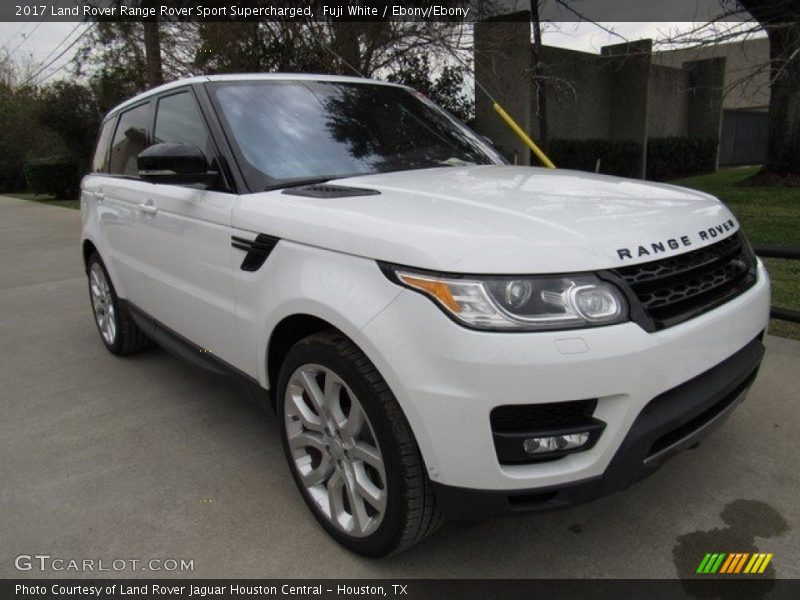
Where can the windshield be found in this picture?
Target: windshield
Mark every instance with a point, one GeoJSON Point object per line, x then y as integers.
{"type": "Point", "coordinates": [286, 131]}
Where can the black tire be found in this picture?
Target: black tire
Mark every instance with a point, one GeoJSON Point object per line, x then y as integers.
{"type": "Point", "coordinates": [129, 338]}
{"type": "Point", "coordinates": [412, 512]}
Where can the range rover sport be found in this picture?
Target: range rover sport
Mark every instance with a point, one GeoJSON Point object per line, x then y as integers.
{"type": "Point", "coordinates": [441, 334]}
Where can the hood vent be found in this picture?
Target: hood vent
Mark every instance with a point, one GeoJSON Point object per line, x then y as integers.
{"type": "Point", "coordinates": [326, 190]}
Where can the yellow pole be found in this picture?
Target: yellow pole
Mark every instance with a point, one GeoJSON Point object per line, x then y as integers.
{"type": "Point", "coordinates": [523, 136]}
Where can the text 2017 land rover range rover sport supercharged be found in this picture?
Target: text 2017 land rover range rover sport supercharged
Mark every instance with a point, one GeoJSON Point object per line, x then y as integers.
{"type": "Point", "coordinates": [441, 334]}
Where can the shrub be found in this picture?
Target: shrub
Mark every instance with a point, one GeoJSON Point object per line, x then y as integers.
{"type": "Point", "coordinates": [616, 157]}
{"type": "Point", "coordinates": [667, 157]}
{"type": "Point", "coordinates": [11, 178]}
{"type": "Point", "coordinates": [57, 176]}
{"type": "Point", "coordinates": [680, 156]}
{"type": "Point", "coordinates": [21, 136]}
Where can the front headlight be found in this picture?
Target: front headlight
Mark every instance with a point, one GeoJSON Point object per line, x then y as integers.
{"type": "Point", "coordinates": [522, 303]}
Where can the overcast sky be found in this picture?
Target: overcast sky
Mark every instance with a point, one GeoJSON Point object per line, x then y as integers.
{"type": "Point", "coordinates": [32, 42]}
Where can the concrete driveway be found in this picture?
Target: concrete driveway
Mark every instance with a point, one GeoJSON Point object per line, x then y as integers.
{"type": "Point", "coordinates": [145, 457]}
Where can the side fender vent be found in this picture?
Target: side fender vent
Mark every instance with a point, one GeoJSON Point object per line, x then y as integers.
{"type": "Point", "coordinates": [326, 190]}
{"type": "Point", "coordinates": [257, 250]}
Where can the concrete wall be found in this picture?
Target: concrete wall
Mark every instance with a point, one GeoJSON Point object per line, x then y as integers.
{"type": "Point", "coordinates": [706, 80]}
{"type": "Point", "coordinates": [599, 96]}
{"type": "Point", "coordinates": [625, 93]}
{"type": "Point", "coordinates": [503, 67]}
{"type": "Point", "coordinates": [578, 96]}
{"type": "Point", "coordinates": [629, 76]}
{"type": "Point", "coordinates": [746, 82]}
{"type": "Point", "coordinates": [669, 101]}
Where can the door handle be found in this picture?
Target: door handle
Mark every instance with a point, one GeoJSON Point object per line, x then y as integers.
{"type": "Point", "coordinates": [99, 196]}
{"type": "Point", "coordinates": [147, 208]}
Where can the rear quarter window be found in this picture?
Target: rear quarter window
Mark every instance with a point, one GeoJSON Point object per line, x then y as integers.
{"type": "Point", "coordinates": [100, 159]}
{"type": "Point", "coordinates": [130, 139]}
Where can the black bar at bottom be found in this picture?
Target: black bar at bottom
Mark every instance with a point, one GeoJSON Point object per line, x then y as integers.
{"type": "Point", "coordinates": [703, 586]}
{"type": "Point", "coordinates": [784, 314]}
{"type": "Point", "coordinates": [773, 251]}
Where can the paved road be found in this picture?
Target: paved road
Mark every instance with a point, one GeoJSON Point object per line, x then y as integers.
{"type": "Point", "coordinates": [145, 457]}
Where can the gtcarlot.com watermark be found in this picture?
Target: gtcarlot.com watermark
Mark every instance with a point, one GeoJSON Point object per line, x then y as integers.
{"type": "Point", "coordinates": [46, 562]}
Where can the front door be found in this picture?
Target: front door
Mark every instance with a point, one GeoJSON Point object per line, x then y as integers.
{"type": "Point", "coordinates": [188, 280]}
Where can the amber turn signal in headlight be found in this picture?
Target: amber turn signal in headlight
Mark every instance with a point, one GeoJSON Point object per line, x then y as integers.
{"type": "Point", "coordinates": [520, 303]}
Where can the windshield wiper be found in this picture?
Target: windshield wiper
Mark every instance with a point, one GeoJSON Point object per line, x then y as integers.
{"type": "Point", "coordinates": [290, 183]}
{"type": "Point", "coordinates": [456, 162]}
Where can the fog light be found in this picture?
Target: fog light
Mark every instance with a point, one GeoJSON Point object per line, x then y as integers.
{"type": "Point", "coordinates": [555, 443]}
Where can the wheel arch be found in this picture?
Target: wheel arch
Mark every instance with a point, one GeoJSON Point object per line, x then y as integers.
{"type": "Point", "coordinates": [290, 330]}
{"type": "Point", "coordinates": [87, 248]}
{"type": "Point", "coordinates": [295, 327]}
{"type": "Point", "coordinates": [90, 246]}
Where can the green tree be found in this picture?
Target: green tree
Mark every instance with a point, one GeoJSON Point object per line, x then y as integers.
{"type": "Point", "coordinates": [113, 61]}
{"type": "Point", "coordinates": [22, 136]}
{"type": "Point", "coordinates": [70, 111]}
{"type": "Point", "coordinates": [113, 58]}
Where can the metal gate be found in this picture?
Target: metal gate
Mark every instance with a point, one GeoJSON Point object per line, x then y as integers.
{"type": "Point", "coordinates": [744, 137]}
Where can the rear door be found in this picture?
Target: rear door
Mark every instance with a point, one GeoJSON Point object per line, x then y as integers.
{"type": "Point", "coordinates": [187, 282]}
{"type": "Point", "coordinates": [92, 195]}
{"type": "Point", "coordinates": [118, 196]}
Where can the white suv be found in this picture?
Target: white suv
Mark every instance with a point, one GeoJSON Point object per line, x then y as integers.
{"type": "Point", "coordinates": [441, 334]}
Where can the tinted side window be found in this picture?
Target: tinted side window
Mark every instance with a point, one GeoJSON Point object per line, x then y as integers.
{"type": "Point", "coordinates": [129, 140]}
{"type": "Point", "coordinates": [100, 160]}
{"type": "Point", "coordinates": [179, 121]}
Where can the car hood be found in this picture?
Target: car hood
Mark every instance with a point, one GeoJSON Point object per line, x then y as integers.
{"type": "Point", "coordinates": [496, 219]}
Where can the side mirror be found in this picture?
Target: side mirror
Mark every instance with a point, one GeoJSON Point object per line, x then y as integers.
{"type": "Point", "coordinates": [181, 164]}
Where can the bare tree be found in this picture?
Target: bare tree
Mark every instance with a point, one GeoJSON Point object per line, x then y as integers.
{"type": "Point", "coordinates": [152, 50]}
{"type": "Point", "coordinates": [15, 70]}
{"type": "Point", "coordinates": [538, 75]}
{"type": "Point", "coordinates": [780, 21]}
{"type": "Point", "coordinates": [363, 48]}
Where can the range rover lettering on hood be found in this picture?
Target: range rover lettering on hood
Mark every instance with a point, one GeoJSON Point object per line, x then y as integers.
{"type": "Point", "coordinates": [682, 241]}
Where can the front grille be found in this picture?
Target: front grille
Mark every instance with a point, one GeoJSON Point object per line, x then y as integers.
{"type": "Point", "coordinates": [675, 289]}
{"type": "Point", "coordinates": [539, 417]}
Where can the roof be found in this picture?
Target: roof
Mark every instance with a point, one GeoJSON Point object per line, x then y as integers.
{"type": "Point", "coordinates": [247, 77]}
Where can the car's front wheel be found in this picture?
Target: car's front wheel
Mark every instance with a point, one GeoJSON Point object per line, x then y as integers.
{"type": "Point", "coordinates": [350, 448]}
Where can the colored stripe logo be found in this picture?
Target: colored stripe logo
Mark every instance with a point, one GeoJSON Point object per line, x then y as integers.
{"type": "Point", "coordinates": [734, 562]}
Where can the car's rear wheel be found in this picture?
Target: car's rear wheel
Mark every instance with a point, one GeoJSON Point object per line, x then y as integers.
{"type": "Point", "coordinates": [350, 448]}
{"type": "Point", "coordinates": [117, 330]}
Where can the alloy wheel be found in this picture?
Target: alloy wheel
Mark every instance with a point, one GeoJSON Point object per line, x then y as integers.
{"type": "Point", "coordinates": [334, 450]}
{"type": "Point", "coordinates": [103, 304]}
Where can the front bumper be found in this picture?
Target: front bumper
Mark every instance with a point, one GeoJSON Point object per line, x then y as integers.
{"type": "Point", "coordinates": [671, 422]}
{"type": "Point", "coordinates": [448, 379]}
